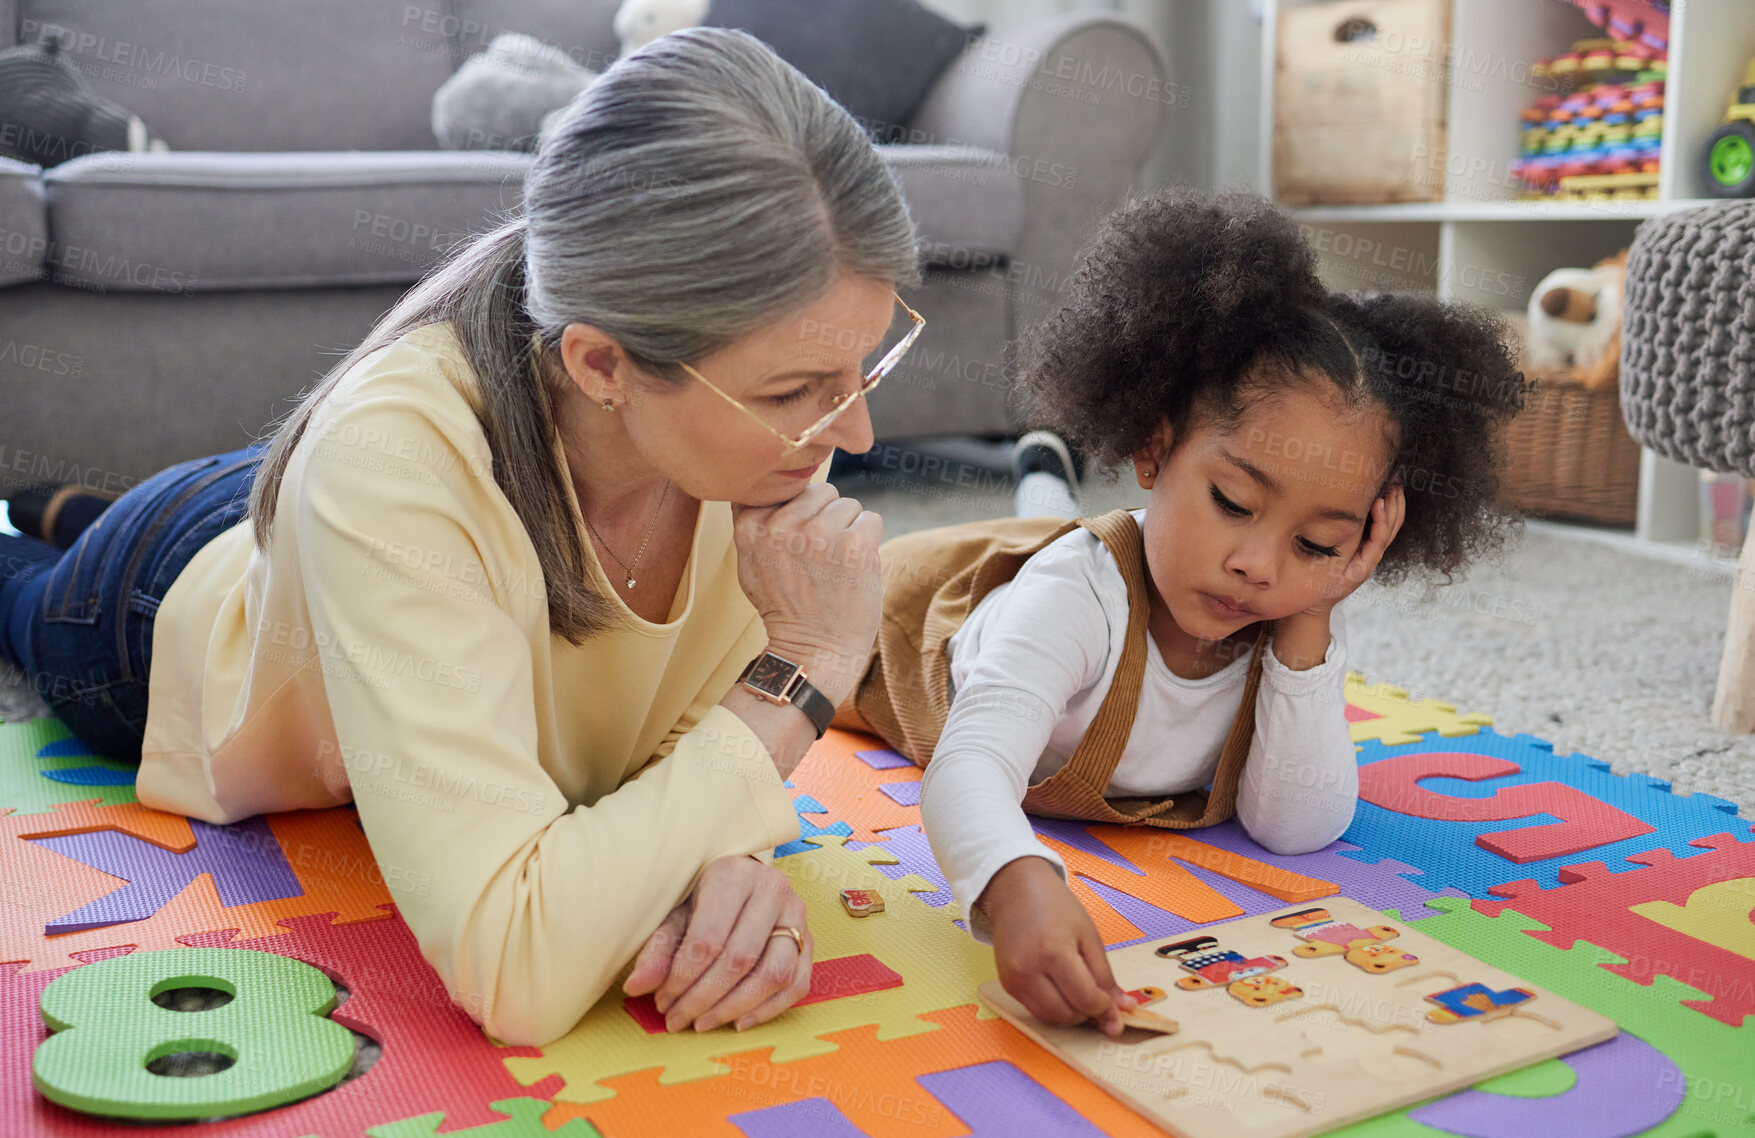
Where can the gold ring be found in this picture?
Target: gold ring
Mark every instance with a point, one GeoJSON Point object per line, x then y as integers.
{"type": "Point", "coordinates": [788, 930]}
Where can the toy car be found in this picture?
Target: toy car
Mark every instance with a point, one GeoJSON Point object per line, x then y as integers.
{"type": "Point", "coordinates": [1730, 152]}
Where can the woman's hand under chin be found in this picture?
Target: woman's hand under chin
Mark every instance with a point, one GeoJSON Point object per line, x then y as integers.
{"type": "Point", "coordinates": [714, 960]}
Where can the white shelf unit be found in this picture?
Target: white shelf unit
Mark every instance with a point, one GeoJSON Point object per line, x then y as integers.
{"type": "Point", "coordinates": [1480, 244]}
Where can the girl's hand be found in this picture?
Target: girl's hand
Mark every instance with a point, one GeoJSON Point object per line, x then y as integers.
{"type": "Point", "coordinates": [713, 961]}
{"type": "Point", "coordinates": [810, 567]}
{"type": "Point", "coordinates": [1387, 515]}
{"type": "Point", "coordinates": [1048, 953]}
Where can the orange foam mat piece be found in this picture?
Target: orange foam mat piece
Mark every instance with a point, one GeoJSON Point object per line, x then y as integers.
{"type": "Point", "coordinates": [871, 1082]}
{"type": "Point", "coordinates": [849, 789]}
{"type": "Point", "coordinates": [1169, 886]}
{"type": "Point", "coordinates": [326, 849]}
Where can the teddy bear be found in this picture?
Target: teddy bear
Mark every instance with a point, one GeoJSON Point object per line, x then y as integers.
{"type": "Point", "coordinates": [1364, 949]}
{"type": "Point", "coordinates": [1575, 322]}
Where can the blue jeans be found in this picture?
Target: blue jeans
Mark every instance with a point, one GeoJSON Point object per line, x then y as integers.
{"type": "Point", "coordinates": [79, 623]}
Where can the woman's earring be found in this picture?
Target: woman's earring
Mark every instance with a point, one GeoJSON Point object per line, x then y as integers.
{"type": "Point", "coordinates": [608, 405]}
{"type": "Point", "coordinates": [1148, 472]}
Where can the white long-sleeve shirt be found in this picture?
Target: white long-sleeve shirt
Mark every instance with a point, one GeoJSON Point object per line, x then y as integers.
{"type": "Point", "coordinates": [1030, 668]}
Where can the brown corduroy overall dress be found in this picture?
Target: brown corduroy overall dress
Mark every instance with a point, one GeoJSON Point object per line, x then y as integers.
{"type": "Point", "coordinates": [933, 580]}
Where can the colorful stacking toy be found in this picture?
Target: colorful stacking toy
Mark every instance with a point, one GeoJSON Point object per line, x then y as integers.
{"type": "Point", "coordinates": [1599, 136]}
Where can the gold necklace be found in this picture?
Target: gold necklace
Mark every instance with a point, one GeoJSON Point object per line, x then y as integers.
{"type": "Point", "coordinates": [643, 541]}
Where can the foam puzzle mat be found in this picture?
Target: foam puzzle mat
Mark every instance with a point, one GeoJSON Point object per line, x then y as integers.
{"type": "Point", "coordinates": [1608, 891]}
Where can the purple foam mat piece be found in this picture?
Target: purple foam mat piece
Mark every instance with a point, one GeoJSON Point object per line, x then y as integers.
{"type": "Point", "coordinates": [806, 1118]}
{"type": "Point", "coordinates": [996, 1100]}
{"type": "Point", "coordinates": [882, 760]}
{"type": "Point", "coordinates": [1625, 1086]}
{"type": "Point", "coordinates": [244, 859]}
{"type": "Point", "coordinates": [1381, 885]}
{"type": "Point", "coordinates": [913, 855]}
{"type": "Point", "coordinates": [902, 793]}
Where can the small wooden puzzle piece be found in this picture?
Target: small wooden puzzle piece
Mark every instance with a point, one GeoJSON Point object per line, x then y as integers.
{"type": "Point", "coordinates": [1144, 996]}
{"type": "Point", "coordinates": [862, 902]}
{"type": "Point", "coordinates": [1363, 948]}
{"type": "Point", "coordinates": [1246, 978]}
{"type": "Point", "coordinates": [1150, 1021]}
{"type": "Point", "coordinates": [1475, 1001]}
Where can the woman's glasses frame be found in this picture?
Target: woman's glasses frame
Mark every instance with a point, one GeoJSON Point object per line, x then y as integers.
{"type": "Point", "coordinates": [842, 401]}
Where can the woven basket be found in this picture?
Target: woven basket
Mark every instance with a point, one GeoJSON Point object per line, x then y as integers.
{"type": "Point", "coordinates": [1570, 456]}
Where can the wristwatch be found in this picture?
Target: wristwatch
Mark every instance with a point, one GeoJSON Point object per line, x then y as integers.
{"type": "Point", "coordinates": [778, 680]}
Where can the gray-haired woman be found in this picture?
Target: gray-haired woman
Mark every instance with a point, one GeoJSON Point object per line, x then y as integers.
{"type": "Point", "coordinates": [498, 577]}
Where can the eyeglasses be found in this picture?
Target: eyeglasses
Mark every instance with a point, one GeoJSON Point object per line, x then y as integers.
{"type": "Point", "coordinates": [842, 401]}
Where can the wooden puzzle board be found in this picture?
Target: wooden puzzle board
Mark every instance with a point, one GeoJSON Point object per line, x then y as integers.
{"type": "Point", "coordinates": [1349, 1045]}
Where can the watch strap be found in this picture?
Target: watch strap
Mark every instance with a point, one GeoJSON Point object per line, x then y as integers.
{"type": "Point", "coordinates": [815, 705]}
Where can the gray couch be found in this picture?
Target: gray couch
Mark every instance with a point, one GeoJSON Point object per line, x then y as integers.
{"type": "Point", "coordinates": [156, 307]}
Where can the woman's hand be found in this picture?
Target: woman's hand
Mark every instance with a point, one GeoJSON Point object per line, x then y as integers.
{"type": "Point", "coordinates": [810, 567]}
{"type": "Point", "coordinates": [713, 961]}
{"type": "Point", "coordinates": [1048, 953]}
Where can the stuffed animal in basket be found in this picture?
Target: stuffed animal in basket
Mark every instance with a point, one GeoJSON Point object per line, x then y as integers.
{"type": "Point", "coordinates": [1575, 322]}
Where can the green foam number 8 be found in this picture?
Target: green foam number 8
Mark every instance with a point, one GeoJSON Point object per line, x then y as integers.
{"type": "Point", "coordinates": [274, 1029]}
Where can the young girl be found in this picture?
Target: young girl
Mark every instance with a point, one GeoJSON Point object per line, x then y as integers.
{"type": "Point", "coordinates": [1294, 442]}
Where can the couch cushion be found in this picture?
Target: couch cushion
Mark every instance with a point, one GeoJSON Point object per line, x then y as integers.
{"type": "Point", "coordinates": [877, 58]}
{"type": "Point", "coordinates": [967, 202]}
{"type": "Point", "coordinates": [24, 223]}
{"type": "Point", "coordinates": [581, 28]}
{"type": "Point", "coordinates": [186, 222]}
{"type": "Point", "coordinates": [262, 76]}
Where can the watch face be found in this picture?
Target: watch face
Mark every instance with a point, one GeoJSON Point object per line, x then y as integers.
{"type": "Point", "coordinates": [771, 674]}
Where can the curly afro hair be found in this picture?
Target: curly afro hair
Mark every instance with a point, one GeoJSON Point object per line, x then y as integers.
{"type": "Point", "coordinates": [1194, 307]}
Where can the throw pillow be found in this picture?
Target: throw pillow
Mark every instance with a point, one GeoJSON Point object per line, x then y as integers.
{"type": "Point", "coordinates": [877, 58]}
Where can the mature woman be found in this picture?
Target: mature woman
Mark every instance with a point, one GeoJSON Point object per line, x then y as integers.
{"type": "Point", "coordinates": [502, 576]}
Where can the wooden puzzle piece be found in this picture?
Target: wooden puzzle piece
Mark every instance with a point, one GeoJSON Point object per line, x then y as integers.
{"type": "Point", "coordinates": [1362, 948]}
{"type": "Point", "coordinates": [1335, 1058]}
{"type": "Point", "coordinates": [1149, 1021]}
{"type": "Point", "coordinates": [1721, 914]}
{"type": "Point", "coordinates": [872, 1080]}
{"type": "Point", "coordinates": [1383, 713]}
{"type": "Point", "coordinates": [1446, 851]}
{"type": "Point", "coordinates": [1595, 904]}
{"type": "Point", "coordinates": [862, 902]}
{"type": "Point", "coordinates": [1475, 1001]}
{"type": "Point", "coordinates": [1245, 977]}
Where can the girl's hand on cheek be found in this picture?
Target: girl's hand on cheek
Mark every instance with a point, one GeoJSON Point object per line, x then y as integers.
{"type": "Point", "coordinates": [1387, 515]}
{"type": "Point", "coordinates": [1047, 951]}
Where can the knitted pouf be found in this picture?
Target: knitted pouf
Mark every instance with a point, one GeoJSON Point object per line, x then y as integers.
{"type": "Point", "coordinates": [1688, 342]}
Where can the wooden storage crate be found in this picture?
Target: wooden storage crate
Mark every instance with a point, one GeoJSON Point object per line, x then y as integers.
{"type": "Point", "coordinates": [1570, 456]}
{"type": "Point", "coordinates": [1359, 101]}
